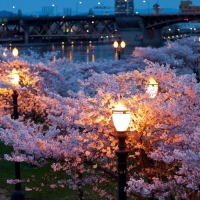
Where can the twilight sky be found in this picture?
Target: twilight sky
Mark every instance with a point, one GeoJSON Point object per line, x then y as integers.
{"type": "Point", "coordinates": [36, 5]}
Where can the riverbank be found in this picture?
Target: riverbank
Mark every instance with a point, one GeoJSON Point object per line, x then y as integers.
{"type": "Point", "coordinates": [19, 41]}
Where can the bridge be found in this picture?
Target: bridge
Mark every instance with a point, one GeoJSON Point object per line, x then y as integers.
{"type": "Point", "coordinates": [161, 20]}
{"type": "Point", "coordinates": [75, 27]}
{"type": "Point", "coordinates": [91, 27]}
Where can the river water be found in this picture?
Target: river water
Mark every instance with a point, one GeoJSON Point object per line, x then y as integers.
{"type": "Point", "coordinates": [80, 53]}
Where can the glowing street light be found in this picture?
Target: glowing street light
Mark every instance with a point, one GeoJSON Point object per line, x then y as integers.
{"type": "Point", "coordinates": [17, 9]}
{"type": "Point", "coordinates": [80, 2]}
{"type": "Point", "coordinates": [14, 7]}
{"type": "Point", "coordinates": [15, 52]}
{"type": "Point", "coordinates": [53, 5]}
{"type": "Point", "coordinates": [99, 3]}
{"type": "Point", "coordinates": [119, 46]}
{"type": "Point", "coordinates": [152, 88]}
{"type": "Point", "coordinates": [15, 77]}
{"type": "Point", "coordinates": [148, 5]}
{"type": "Point", "coordinates": [121, 119]}
{"type": "Point", "coordinates": [18, 193]}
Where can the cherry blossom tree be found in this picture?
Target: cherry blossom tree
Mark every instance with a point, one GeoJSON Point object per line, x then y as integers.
{"type": "Point", "coordinates": [80, 138]}
{"type": "Point", "coordinates": [181, 54]}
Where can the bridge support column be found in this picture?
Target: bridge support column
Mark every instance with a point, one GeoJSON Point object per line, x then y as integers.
{"type": "Point", "coordinates": [132, 37]}
{"type": "Point", "coordinates": [26, 36]}
{"type": "Point", "coordinates": [25, 26]}
{"type": "Point", "coordinates": [152, 37]}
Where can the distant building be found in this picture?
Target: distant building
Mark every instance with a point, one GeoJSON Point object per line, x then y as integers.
{"type": "Point", "coordinates": [124, 7]}
{"type": "Point", "coordinates": [156, 9]}
{"type": "Point", "coordinates": [48, 10]}
{"type": "Point", "coordinates": [67, 11]}
{"type": "Point", "coordinates": [186, 7]}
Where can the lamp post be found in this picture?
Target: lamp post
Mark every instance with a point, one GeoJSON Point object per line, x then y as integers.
{"type": "Point", "coordinates": [191, 31]}
{"type": "Point", "coordinates": [119, 46]}
{"type": "Point", "coordinates": [99, 3]}
{"type": "Point", "coordinates": [127, 6]}
{"type": "Point", "coordinates": [121, 119]}
{"type": "Point", "coordinates": [14, 7]}
{"type": "Point", "coordinates": [15, 52]}
{"type": "Point", "coordinates": [197, 69]}
{"type": "Point", "coordinates": [148, 5]}
{"type": "Point", "coordinates": [18, 193]}
{"type": "Point", "coordinates": [77, 7]}
{"type": "Point", "coordinates": [152, 88]}
{"type": "Point", "coordinates": [53, 5]}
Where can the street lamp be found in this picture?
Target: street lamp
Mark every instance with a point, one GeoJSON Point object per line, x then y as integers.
{"type": "Point", "coordinates": [119, 46]}
{"type": "Point", "coordinates": [127, 6]}
{"type": "Point", "coordinates": [101, 6]}
{"type": "Point", "coordinates": [152, 88]}
{"type": "Point", "coordinates": [18, 11]}
{"type": "Point", "coordinates": [53, 5]}
{"type": "Point", "coordinates": [14, 7]}
{"type": "Point", "coordinates": [121, 119]}
{"type": "Point", "coordinates": [18, 193]}
{"type": "Point", "coordinates": [197, 69]}
{"type": "Point", "coordinates": [15, 52]}
{"type": "Point", "coordinates": [77, 6]}
{"type": "Point", "coordinates": [148, 5]}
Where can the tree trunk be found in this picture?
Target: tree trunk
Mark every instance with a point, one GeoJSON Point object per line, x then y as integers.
{"type": "Point", "coordinates": [80, 186]}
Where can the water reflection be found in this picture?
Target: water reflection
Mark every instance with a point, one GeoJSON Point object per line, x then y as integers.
{"type": "Point", "coordinates": [82, 53]}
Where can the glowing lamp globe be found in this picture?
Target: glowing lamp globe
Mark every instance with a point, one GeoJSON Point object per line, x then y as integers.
{"type": "Point", "coordinates": [120, 117]}
{"type": "Point", "coordinates": [115, 44]}
{"type": "Point", "coordinates": [15, 77]}
{"type": "Point", "coordinates": [15, 52]}
{"type": "Point", "coordinates": [123, 44]}
{"type": "Point", "coordinates": [152, 88]}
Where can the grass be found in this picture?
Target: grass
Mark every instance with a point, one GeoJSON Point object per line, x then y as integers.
{"type": "Point", "coordinates": [7, 172]}
{"type": "Point", "coordinates": [36, 175]}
